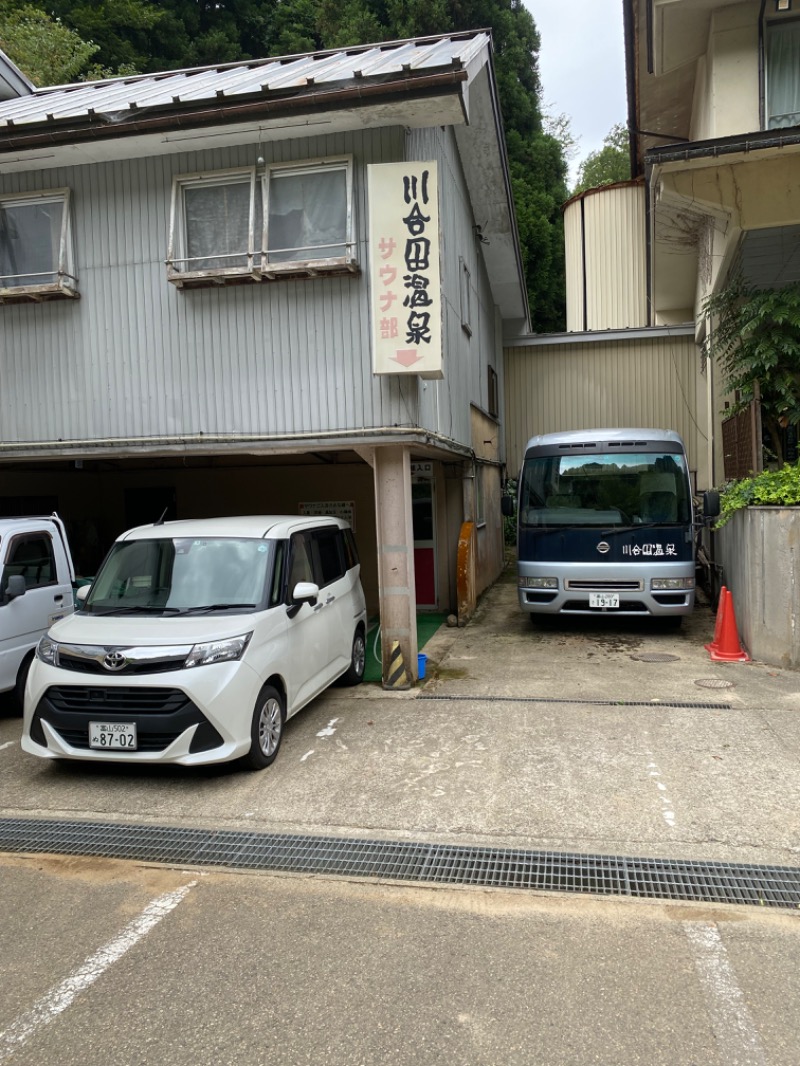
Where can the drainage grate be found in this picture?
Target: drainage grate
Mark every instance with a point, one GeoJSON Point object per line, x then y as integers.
{"type": "Point", "coordinates": [655, 702]}
{"type": "Point", "coordinates": [714, 682]}
{"type": "Point", "coordinates": [547, 871]}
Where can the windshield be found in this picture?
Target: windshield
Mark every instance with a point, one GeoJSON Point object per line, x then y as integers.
{"type": "Point", "coordinates": [180, 576]}
{"type": "Point", "coordinates": [604, 490]}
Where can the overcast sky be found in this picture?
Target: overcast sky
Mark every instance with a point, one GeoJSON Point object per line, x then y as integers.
{"type": "Point", "coordinates": [582, 66]}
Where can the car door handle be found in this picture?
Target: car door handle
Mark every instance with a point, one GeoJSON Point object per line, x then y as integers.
{"type": "Point", "coordinates": [330, 599]}
{"type": "Point", "coordinates": [58, 599]}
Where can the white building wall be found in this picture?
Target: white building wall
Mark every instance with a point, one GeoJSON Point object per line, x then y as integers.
{"type": "Point", "coordinates": [732, 98]}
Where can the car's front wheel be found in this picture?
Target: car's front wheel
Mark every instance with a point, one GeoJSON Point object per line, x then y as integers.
{"type": "Point", "coordinates": [354, 674]}
{"type": "Point", "coordinates": [266, 730]}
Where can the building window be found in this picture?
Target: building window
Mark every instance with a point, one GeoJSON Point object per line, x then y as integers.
{"type": "Point", "coordinates": [494, 400]}
{"type": "Point", "coordinates": [466, 297]}
{"type": "Point", "coordinates": [309, 213]}
{"type": "Point", "coordinates": [260, 224]}
{"type": "Point", "coordinates": [36, 246]}
{"type": "Point", "coordinates": [220, 222]}
{"type": "Point", "coordinates": [782, 46]}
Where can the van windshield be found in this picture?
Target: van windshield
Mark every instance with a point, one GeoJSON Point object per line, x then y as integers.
{"type": "Point", "coordinates": [605, 490]}
{"type": "Point", "coordinates": [181, 576]}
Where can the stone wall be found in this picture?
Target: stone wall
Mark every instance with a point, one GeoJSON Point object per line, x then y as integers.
{"type": "Point", "coordinates": [759, 550]}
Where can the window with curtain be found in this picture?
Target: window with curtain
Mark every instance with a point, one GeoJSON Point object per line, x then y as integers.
{"type": "Point", "coordinates": [218, 221]}
{"type": "Point", "coordinates": [34, 242]}
{"type": "Point", "coordinates": [307, 214]}
{"type": "Point", "coordinates": [782, 41]}
{"type": "Point", "coordinates": [222, 227]}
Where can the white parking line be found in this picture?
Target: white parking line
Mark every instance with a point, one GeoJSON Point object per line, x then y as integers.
{"type": "Point", "coordinates": [8, 744]}
{"type": "Point", "coordinates": [737, 1037]}
{"type": "Point", "coordinates": [59, 998]}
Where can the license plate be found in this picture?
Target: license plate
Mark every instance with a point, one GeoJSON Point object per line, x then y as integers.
{"type": "Point", "coordinates": [113, 736]}
{"type": "Point", "coordinates": [604, 599]}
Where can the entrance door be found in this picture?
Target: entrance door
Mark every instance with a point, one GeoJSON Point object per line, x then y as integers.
{"type": "Point", "coordinates": [422, 500]}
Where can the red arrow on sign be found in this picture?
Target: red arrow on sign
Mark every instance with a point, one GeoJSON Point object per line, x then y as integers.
{"type": "Point", "coordinates": [406, 356]}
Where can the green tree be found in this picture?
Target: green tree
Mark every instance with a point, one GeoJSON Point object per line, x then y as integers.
{"type": "Point", "coordinates": [755, 338]}
{"type": "Point", "coordinates": [49, 52]}
{"type": "Point", "coordinates": [609, 164]}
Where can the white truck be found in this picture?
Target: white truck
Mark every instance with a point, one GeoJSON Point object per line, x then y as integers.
{"type": "Point", "coordinates": [36, 583]}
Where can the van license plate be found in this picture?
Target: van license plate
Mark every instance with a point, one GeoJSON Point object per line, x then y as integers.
{"type": "Point", "coordinates": [604, 599]}
{"type": "Point", "coordinates": [116, 736]}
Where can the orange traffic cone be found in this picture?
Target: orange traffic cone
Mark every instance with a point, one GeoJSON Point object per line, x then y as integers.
{"type": "Point", "coordinates": [725, 646]}
{"type": "Point", "coordinates": [723, 592]}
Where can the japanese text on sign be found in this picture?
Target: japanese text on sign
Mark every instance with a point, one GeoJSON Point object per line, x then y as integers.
{"type": "Point", "coordinates": [345, 509]}
{"type": "Point", "coordinates": [649, 549]}
{"type": "Point", "coordinates": [404, 268]}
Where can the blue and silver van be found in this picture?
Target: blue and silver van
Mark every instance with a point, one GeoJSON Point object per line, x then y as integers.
{"type": "Point", "coordinates": [605, 524]}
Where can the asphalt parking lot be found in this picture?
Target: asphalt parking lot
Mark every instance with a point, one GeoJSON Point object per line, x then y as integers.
{"type": "Point", "coordinates": [609, 737]}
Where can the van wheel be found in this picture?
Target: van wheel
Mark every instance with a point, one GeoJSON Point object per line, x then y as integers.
{"type": "Point", "coordinates": [354, 674]}
{"type": "Point", "coordinates": [266, 729]}
{"type": "Point", "coordinates": [22, 677]}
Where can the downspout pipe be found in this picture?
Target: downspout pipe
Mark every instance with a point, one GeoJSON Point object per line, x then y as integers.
{"type": "Point", "coordinates": [629, 19]}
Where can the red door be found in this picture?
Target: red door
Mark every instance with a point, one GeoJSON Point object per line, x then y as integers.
{"type": "Point", "coordinates": [422, 498]}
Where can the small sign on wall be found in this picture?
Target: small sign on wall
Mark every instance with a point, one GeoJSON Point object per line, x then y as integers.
{"type": "Point", "coordinates": [421, 469]}
{"type": "Point", "coordinates": [405, 281]}
{"type": "Point", "coordinates": [344, 509]}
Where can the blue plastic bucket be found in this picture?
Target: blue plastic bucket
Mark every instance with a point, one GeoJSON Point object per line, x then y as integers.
{"type": "Point", "coordinates": [422, 662]}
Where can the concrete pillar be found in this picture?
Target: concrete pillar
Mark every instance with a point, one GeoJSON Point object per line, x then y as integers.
{"type": "Point", "coordinates": [395, 535]}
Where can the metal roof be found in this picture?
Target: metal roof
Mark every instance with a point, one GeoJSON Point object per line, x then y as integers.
{"type": "Point", "coordinates": [114, 98]}
{"type": "Point", "coordinates": [13, 82]}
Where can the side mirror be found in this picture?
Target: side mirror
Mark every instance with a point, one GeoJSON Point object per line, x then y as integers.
{"type": "Point", "coordinates": [15, 588]}
{"type": "Point", "coordinates": [81, 594]}
{"type": "Point", "coordinates": [507, 506]}
{"type": "Point", "coordinates": [711, 506]}
{"type": "Point", "coordinates": [303, 592]}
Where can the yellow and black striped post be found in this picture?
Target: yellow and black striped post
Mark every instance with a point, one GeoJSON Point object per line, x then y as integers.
{"type": "Point", "coordinates": [396, 675]}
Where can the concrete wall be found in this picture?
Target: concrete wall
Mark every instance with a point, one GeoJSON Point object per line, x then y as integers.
{"type": "Point", "coordinates": [759, 549]}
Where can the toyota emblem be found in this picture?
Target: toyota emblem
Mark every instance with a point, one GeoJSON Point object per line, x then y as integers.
{"type": "Point", "coordinates": [603, 547]}
{"type": "Point", "coordinates": [115, 660]}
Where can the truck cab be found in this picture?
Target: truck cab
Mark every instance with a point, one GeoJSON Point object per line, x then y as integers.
{"type": "Point", "coordinates": [36, 582]}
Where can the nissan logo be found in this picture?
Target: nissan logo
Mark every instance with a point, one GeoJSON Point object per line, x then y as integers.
{"type": "Point", "coordinates": [603, 547]}
{"type": "Point", "coordinates": [115, 660]}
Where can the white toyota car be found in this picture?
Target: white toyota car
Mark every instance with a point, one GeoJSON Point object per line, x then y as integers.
{"type": "Point", "coordinates": [197, 640]}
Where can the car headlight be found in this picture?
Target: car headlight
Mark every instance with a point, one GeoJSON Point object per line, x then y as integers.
{"type": "Point", "coordinates": [47, 651]}
{"type": "Point", "coordinates": [659, 584]}
{"type": "Point", "coordinates": [218, 651]}
{"type": "Point", "coordinates": [539, 582]}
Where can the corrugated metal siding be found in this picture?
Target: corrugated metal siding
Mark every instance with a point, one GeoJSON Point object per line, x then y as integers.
{"type": "Point", "coordinates": [605, 248]}
{"type": "Point", "coordinates": [573, 248]}
{"type": "Point", "coordinates": [136, 357]}
{"type": "Point", "coordinates": [445, 405]}
{"type": "Point", "coordinates": [642, 382]}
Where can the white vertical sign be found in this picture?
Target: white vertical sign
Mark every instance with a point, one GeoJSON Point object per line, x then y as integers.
{"type": "Point", "coordinates": [405, 283]}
